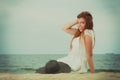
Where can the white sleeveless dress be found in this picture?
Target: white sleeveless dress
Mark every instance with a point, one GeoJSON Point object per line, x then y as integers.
{"type": "Point", "coordinates": [76, 58]}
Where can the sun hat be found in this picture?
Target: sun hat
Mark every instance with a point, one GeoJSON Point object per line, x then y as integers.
{"type": "Point", "coordinates": [53, 66]}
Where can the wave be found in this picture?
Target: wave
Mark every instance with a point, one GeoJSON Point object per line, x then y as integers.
{"type": "Point", "coordinates": [106, 70]}
{"type": "Point", "coordinates": [32, 70]}
{"type": "Point", "coordinates": [28, 69]}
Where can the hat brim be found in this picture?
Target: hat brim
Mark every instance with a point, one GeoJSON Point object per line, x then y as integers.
{"type": "Point", "coordinates": [41, 70]}
{"type": "Point", "coordinates": [64, 68]}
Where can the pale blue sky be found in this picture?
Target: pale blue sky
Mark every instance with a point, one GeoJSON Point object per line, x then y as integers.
{"type": "Point", "coordinates": [34, 26]}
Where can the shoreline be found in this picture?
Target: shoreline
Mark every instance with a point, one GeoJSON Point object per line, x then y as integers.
{"type": "Point", "coordinates": [32, 70]}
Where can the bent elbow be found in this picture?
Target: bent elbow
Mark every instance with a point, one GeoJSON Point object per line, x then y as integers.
{"type": "Point", "coordinates": [63, 28]}
{"type": "Point", "coordinates": [89, 55]}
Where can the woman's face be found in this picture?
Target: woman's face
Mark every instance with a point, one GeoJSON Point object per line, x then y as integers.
{"type": "Point", "coordinates": [81, 24]}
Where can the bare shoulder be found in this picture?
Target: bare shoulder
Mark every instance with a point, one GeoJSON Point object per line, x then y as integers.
{"type": "Point", "coordinates": [87, 35]}
{"type": "Point", "coordinates": [89, 32]}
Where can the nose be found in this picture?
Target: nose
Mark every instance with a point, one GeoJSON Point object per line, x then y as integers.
{"type": "Point", "coordinates": [79, 25]}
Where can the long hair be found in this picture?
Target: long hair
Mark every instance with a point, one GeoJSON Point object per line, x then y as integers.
{"type": "Point", "coordinates": [89, 24]}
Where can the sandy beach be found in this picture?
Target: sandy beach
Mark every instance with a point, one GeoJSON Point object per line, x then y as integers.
{"type": "Point", "coordinates": [62, 76]}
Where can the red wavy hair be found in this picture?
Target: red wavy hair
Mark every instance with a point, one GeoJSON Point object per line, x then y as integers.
{"type": "Point", "coordinates": [89, 24]}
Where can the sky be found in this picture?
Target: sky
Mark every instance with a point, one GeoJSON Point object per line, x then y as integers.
{"type": "Point", "coordinates": [34, 26]}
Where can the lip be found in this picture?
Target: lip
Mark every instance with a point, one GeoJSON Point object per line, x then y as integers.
{"type": "Point", "coordinates": [80, 29]}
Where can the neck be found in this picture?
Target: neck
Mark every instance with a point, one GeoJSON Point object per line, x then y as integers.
{"type": "Point", "coordinates": [82, 33]}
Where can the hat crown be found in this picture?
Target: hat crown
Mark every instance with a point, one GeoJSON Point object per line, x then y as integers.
{"type": "Point", "coordinates": [52, 66]}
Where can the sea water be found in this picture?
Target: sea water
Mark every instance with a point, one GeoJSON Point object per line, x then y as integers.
{"type": "Point", "coordinates": [28, 63]}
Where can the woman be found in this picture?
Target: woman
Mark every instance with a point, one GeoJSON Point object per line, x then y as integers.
{"type": "Point", "coordinates": [80, 57]}
{"type": "Point", "coordinates": [81, 47]}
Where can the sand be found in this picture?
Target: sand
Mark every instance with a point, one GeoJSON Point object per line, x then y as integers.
{"type": "Point", "coordinates": [62, 76]}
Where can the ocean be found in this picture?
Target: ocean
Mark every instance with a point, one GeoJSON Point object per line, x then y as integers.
{"type": "Point", "coordinates": [28, 63]}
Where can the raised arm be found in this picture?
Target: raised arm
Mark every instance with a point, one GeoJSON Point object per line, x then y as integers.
{"type": "Point", "coordinates": [68, 27]}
